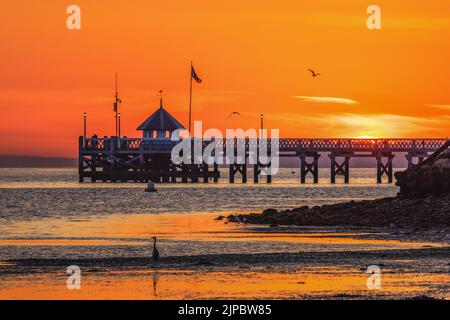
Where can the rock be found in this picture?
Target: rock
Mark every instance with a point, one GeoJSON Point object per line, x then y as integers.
{"type": "Point", "coordinates": [220, 218]}
{"type": "Point", "coordinates": [416, 215]}
{"type": "Point", "coordinates": [303, 208]}
{"type": "Point", "coordinates": [442, 163]}
{"type": "Point", "coordinates": [233, 218]}
{"type": "Point", "coordinates": [432, 177]}
{"type": "Point", "coordinates": [269, 212]}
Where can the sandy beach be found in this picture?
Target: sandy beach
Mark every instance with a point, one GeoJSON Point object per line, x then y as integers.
{"type": "Point", "coordinates": [307, 263]}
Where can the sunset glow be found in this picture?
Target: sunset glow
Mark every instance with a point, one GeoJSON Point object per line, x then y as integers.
{"type": "Point", "coordinates": [253, 58]}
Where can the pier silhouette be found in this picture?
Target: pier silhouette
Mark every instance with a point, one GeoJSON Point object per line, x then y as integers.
{"type": "Point", "coordinates": [122, 159]}
{"type": "Point", "coordinates": [113, 159]}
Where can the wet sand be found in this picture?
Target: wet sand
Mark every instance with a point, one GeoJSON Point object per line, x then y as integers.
{"type": "Point", "coordinates": [206, 259]}
{"type": "Point", "coordinates": [304, 283]}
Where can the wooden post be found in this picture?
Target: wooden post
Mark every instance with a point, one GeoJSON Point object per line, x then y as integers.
{"type": "Point", "coordinates": [302, 169]}
{"type": "Point", "coordinates": [184, 172]}
{"type": "Point", "coordinates": [255, 173]}
{"type": "Point", "coordinates": [256, 170]}
{"type": "Point", "coordinates": [347, 170]}
{"type": "Point", "coordinates": [333, 168]}
{"type": "Point", "coordinates": [80, 159]}
{"type": "Point", "coordinates": [232, 172]}
{"type": "Point", "coordinates": [379, 169]}
{"type": "Point", "coordinates": [93, 167]}
{"type": "Point", "coordinates": [205, 172]}
{"type": "Point", "coordinates": [216, 172]}
{"type": "Point", "coordinates": [244, 165]}
{"type": "Point", "coordinates": [390, 170]}
{"type": "Point", "coordinates": [195, 173]}
{"type": "Point", "coordinates": [269, 176]}
{"type": "Point", "coordinates": [173, 172]}
{"type": "Point", "coordinates": [269, 165]}
{"type": "Point", "coordinates": [316, 168]}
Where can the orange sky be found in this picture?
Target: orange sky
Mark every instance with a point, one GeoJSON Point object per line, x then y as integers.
{"type": "Point", "coordinates": [252, 56]}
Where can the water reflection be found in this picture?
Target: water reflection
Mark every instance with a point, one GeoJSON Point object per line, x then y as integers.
{"type": "Point", "coordinates": [155, 278]}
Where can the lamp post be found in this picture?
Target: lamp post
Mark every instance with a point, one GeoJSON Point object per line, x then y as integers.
{"type": "Point", "coordinates": [84, 125]}
{"type": "Point", "coordinates": [262, 124]}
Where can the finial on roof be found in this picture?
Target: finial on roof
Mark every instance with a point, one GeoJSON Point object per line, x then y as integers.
{"type": "Point", "coordinates": [160, 98]}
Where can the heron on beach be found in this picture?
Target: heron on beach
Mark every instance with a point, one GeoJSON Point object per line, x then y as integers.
{"type": "Point", "coordinates": [155, 253]}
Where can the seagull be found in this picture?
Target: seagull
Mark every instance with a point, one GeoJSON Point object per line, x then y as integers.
{"type": "Point", "coordinates": [155, 253]}
{"type": "Point", "coordinates": [234, 113]}
{"type": "Point", "coordinates": [314, 74]}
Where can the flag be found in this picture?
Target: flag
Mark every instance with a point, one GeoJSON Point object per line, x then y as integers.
{"type": "Point", "coordinates": [194, 75]}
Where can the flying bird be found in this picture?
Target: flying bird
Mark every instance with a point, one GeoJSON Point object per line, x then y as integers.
{"type": "Point", "coordinates": [234, 113]}
{"type": "Point", "coordinates": [155, 253]}
{"type": "Point", "coordinates": [314, 74]}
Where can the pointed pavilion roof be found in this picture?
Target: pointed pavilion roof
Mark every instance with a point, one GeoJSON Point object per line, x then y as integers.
{"type": "Point", "coordinates": [160, 120]}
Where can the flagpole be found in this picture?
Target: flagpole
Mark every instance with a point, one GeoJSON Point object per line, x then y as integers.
{"type": "Point", "coordinates": [116, 105]}
{"type": "Point", "coordinates": [190, 98]}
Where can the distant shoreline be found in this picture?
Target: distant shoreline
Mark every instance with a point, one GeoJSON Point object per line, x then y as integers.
{"type": "Point", "coordinates": [24, 161]}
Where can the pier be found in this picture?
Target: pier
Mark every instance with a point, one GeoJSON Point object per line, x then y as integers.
{"type": "Point", "coordinates": [122, 159]}
{"type": "Point", "coordinates": [113, 159]}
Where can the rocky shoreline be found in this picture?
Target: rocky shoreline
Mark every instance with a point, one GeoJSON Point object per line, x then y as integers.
{"type": "Point", "coordinates": [416, 215]}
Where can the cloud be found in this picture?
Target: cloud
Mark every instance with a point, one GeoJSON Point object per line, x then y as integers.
{"type": "Point", "coordinates": [439, 106]}
{"type": "Point", "coordinates": [381, 125]}
{"type": "Point", "coordinates": [326, 100]}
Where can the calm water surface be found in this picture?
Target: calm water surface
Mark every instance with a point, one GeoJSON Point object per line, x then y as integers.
{"type": "Point", "coordinates": [47, 213]}
{"type": "Point", "coordinates": [27, 194]}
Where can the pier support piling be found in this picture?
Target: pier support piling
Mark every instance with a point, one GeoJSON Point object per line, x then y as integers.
{"type": "Point", "coordinates": [340, 169]}
{"type": "Point", "coordinates": [309, 167]}
{"type": "Point", "coordinates": [256, 173]}
{"type": "Point", "coordinates": [238, 168]}
{"type": "Point", "coordinates": [384, 168]}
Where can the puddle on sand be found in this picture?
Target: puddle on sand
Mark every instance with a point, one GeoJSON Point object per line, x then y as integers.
{"type": "Point", "coordinates": [132, 229]}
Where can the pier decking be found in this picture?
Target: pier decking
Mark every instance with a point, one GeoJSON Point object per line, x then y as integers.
{"type": "Point", "coordinates": [113, 159]}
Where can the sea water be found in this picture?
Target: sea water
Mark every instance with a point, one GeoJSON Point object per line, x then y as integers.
{"type": "Point", "coordinates": [47, 213]}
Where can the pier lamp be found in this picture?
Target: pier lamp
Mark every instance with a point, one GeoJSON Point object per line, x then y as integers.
{"type": "Point", "coordinates": [262, 123]}
{"type": "Point", "coordinates": [84, 125]}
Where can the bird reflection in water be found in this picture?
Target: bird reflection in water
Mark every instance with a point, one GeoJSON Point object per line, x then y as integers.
{"type": "Point", "coordinates": [155, 283]}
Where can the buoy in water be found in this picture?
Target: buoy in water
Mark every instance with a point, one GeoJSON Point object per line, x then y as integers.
{"type": "Point", "coordinates": [151, 187]}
